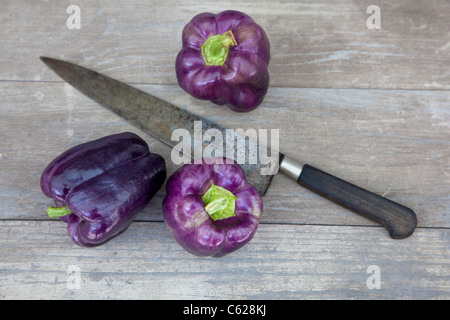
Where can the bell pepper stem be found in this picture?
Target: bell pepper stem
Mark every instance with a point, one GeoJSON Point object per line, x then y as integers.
{"type": "Point", "coordinates": [215, 48]}
{"type": "Point", "coordinates": [55, 212]}
{"type": "Point", "coordinates": [216, 205]}
{"type": "Point", "coordinates": [219, 202]}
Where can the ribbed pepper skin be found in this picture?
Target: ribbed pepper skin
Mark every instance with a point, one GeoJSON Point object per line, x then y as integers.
{"type": "Point", "coordinates": [105, 183]}
{"type": "Point", "coordinates": [243, 80]}
{"type": "Point", "coordinates": [185, 215]}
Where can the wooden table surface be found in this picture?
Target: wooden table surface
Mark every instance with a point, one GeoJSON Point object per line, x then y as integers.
{"type": "Point", "coordinates": [371, 106]}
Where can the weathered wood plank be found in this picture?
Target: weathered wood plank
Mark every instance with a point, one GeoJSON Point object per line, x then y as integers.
{"type": "Point", "coordinates": [307, 262]}
{"type": "Point", "coordinates": [322, 43]}
{"type": "Point", "coordinates": [392, 142]}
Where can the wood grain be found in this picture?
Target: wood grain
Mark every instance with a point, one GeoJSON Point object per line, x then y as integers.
{"type": "Point", "coordinates": [307, 262]}
{"type": "Point", "coordinates": [374, 139]}
{"type": "Point", "coordinates": [321, 43]}
{"type": "Point", "coordinates": [369, 106]}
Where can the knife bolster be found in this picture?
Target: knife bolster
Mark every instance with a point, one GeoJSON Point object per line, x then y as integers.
{"type": "Point", "coordinates": [291, 168]}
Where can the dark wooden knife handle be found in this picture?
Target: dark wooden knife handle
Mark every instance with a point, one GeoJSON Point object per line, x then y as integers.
{"type": "Point", "coordinates": [399, 220]}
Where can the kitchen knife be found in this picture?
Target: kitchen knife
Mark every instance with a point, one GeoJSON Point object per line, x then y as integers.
{"type": "Point", "coordinates": [160, 118]}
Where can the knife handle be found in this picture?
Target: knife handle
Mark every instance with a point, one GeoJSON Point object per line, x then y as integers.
{"type": "Point", "coordinates": [399, 220]}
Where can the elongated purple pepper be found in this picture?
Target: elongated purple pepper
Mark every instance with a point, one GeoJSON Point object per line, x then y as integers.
{"type": "Point", "coordinates": [224, 58]}
{"type": "Point", "coordinates": [100, 186]}
{"type": "Point", "coordinates": [210, 208]}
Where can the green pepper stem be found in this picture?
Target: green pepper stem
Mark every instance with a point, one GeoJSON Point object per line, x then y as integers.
{"type": "Point", "coordinates": [219, 202]}
{"type": "Point", "coordinates": [216, 205]}
{"type": "Point", "coordinates": [55, 212]}
{"type": "Point", "coordinates": [215, 48]}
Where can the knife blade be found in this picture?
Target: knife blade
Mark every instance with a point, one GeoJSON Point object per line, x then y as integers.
{"type": "Point", "coordinates": [152, 115]}
{"type": "Point", "coordinates": [160, 118]}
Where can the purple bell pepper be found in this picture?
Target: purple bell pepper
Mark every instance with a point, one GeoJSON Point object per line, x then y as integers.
{"type": "Point", "coordinates": [224, 58]}
{"type": "Point", "coordinates": [210, 208]}
{"type": "Point", "coordinates": [99, 187]}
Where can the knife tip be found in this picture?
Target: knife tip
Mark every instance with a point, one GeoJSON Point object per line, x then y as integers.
{"type": "Point", "coordinates": [44, 59]}
{"type": "Point", "coordinates": [48, 61]}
